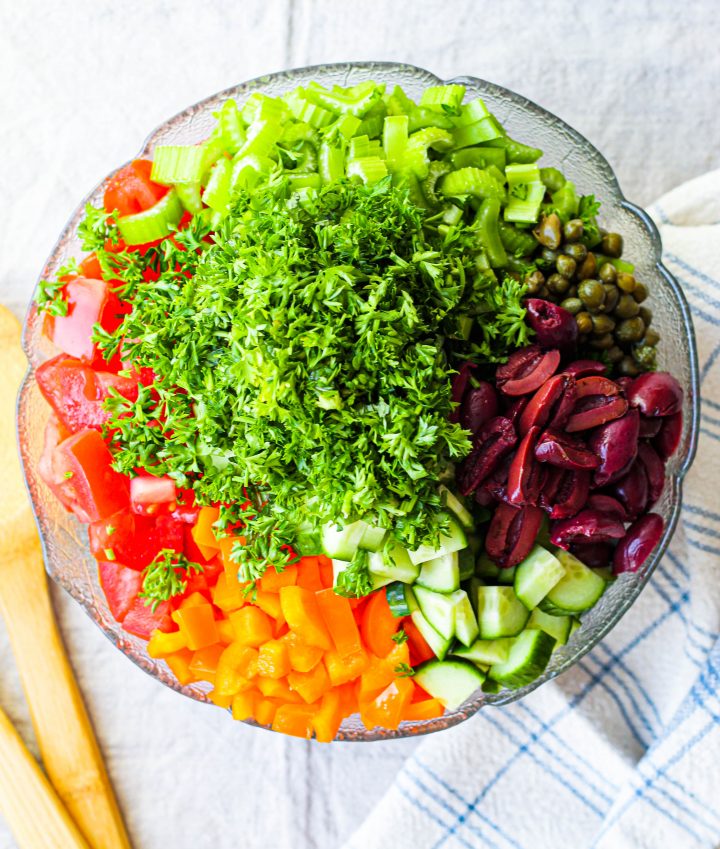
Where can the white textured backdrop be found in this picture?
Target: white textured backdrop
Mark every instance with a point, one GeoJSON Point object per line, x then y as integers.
{"type": "Point", "coordinates": [83, 82]}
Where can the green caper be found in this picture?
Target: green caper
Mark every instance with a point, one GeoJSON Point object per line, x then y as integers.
{"type": "Point", "coordinates": [626, 307]}
{"type": "Point", "coordinates": [544, 292]}
{"type": "Point", "coordinates": [592, 293]}
{"type": "Point", "coordinates": [588, 267]}
{"type": "Point", "coordinates": [645, 356]}
{"type": "Point", "coordinates": [558, 284]}
{"type": "Point", "coordinates": [614, 354]}
{"type": "Point", "coordinates": [628, 367]}
{"type": "Point", "coordinates": [646, 315]}
{"type": "Point", "coordinates": [612, 296]}
{"type": "Point", "coordinates": [576, 250]}
{"type": "Point", "coordinates": [602, 324]}
{"type": "Point", "coordinates": [640, 292]}
{"type": "Point", "coordinates": [626, 282]}
{"type": "Point", "coordinates": [652, 337]}
{"type": "Point", "coordinates": [612, 245]}
{"type": "Point", "coordinates": [548, 256]}
{"type": "Point", "coordinates": [548, 230]}
{"type": "Point", "coordinates": [565, 265]}
{"type": "Point", "coordinates": [630, 330]}
{"type": "Point", "coordinates": [572, 305]}
{"type": "Point", "coordinates": [534, 282]}
{"type": "Point", "coordinates": [602, 343]}
{"type": "Point", "coordinates": [584, 322]}
{"type": "Point", "coordinates": [608, 273]}
{"type": "Point", "coordinates": [572, 291]}
{"type": "Point", "coordinates": [574, 230]}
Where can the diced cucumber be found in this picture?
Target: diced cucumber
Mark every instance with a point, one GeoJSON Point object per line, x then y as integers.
{"type": "Point", "coordinates": [438, 609]}
{"type": "Point", "coordinates": [490, 686]}
{"type": "Point", "coordinates": [466, 626]}
{"type": "Point", "coordinates": [442, 575]}
{"type": "Point", "coordinates": [506, 576]}
{"type": "Point", "coordinates": [378, 582]}
{"type": "Point", "coordinates": [486, 652]}
{"type": "Point", "coordinates": [453, 503]}
{"type": "Point", "coordinates": [578, 590]}
{"type": "Point", "coordinates": [529, 655]}
{"type": "Point", "coordinates": [452, 682]}
{"type": "Point", "coordinates": [438, 644]}
{"type": "Point", "coordinates": [500, 612]}
{"type": "Point", "coordinates": [556, 626]}
{"type": "Point", "coordinates": [467, 564]}
{"type": "Point", "coordinates": [373, 538]}
{"type": "Point", "coordinates": [342, 543]}
{"type": "Point", "coordinates": [397, 600]}
{"type": "Point", "coordinates": [536, 575]}
{"type": "Point", "coordinates": [485, 567]}
{"type": "Point", "coordinates": [454, 540]}
{"type": "Point", "coordinates": [575, 623]}
{"type": "Point", "coordinates": [605, 572]}
{"type": "Point", "coordinates": [394, 564]}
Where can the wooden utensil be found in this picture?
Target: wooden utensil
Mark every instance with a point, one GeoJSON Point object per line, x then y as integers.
{"type": "Point", "coordinates": [67, 743]}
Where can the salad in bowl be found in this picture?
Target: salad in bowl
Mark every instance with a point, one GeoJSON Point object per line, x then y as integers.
{"type": "Point", "coordinates": [361, 406]}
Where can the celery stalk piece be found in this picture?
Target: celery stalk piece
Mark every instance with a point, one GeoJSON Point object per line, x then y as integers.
{"type": "Point", "coordinates": [261, 138]}
{"type": "Point", "coordinates": [566, 201]}
{"type": "Point", "coordinates": [357, 100]}
{"type": "Point", "coordinates": [152, 224]}
{"type": "Point", "coordinates": [176, 163]}
{"type": "Point", "coordinates": [189, 194]}
{"type": "Point", "coordinates": [486, 224]}
{"type": "Point", "coordinates": [409, 181]}
{"type": "Point", "coordinates": [230, 126]}
{"type": "Point", "coordinates": [526, 191]}
{"type": "Point", "coordinates": [308, 112]}
{"type": "Point", "coordinates": [303, 180]}
{"type": "Point", "coordinates": [346, 126]}
{"type": "Point", "coordinates": [516, 151]}
{"type": "Point", "coordinates": [436, 172]}
{"type": "Point", "coordinates": [246, 171]}
{"type": "Point", "coordinates": [472, 181]}
{"type": "Point", "coordinates": [395, 139]}
{"type": "Point", "coordinates": [471, 112]}
{"type": "Point", "coordinates": [441, 97]}
{"type": "Point", "coordinates": [481, 131]}
{"type": "Point", "coordinates": [398, 103]}
{"type": "Point", "coordinates": [369, 170]}
{"type": "Point", "coordinates": [418, 144]}
{"type": "Point", "coordinates": [421, 117]}
{"type": "Point", "coordinates": [331, 163]}
{"type": "Point", "coordinates": [362, 146]}
{"type": "Point", "coordinates": [517, 242]}
{"type": "Point", "coordinates": [260, 107]}
{"type": "Point", "coordinates": [217, 191]}
{"type": "Point", "coordinates": [478, 157]}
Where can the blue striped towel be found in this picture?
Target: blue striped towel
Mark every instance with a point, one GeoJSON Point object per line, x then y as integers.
{"type": "Point", "coordinates": [624, 749]}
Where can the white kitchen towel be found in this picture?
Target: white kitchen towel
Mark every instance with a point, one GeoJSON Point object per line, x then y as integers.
{"type": "Point", "coordinates": [622, 751]}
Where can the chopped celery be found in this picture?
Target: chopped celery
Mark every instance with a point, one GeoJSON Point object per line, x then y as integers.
{"type": "Point", "coordinates": [421, 117]}
{"type": "Point", "coordinates": [417, 159]}
{"type": "Point", "coordinates": [369, 170]}
{"type": "Point", "coordinates": [177, 163]}
{"type": "Point", "coordinates": [478, 157]}
{"type": "Point", "coordinates": [472, 181]}
{"type": "Point", "coordinates": [260, 107]}
{"type": "Point", "coordinates": [566, 202]}
{"type": "Point", "coordinates": [481, 131]}
{"type": "Point", "coordinates": [452, 214]}
{"type": "Point", "coordinates": [436, 171]}
{"type": "Point", "coordinates": [261, 138]}
{"type": "Point", "coordinates": [516, 151]}
{"type": "Point", "coordinates": [331, 163]}
{"type": "Point", "coordinates": [518, 242]}
{"type": "Point", "coordinates": [398, 103]}
{"type": "Point", "coordinates": [303, 180]}
{"type": "Point", "coordinates": [526, 191]}
{"type": "Point", "coordinates": [486, 224]}
{"type": "Point", "coordinates": [189, 194]}
{"type": "Point", "coordinates": [247, 170]}
{"type": "Point", "coordinates": [346, 126]}
{"type": "Point", "coordinates": [356, 101]}
{"type": "Point", "coordinates": [471, 112]}
{"type": "Point", "coordinates": [217, 191]}
{"type": "Point", "coordinates": [362, 147]}
{"type": "Point", "coordinates": [230, 126]}
{"type": "Point", "coordinates": [620, 264]}
{"type": "Point", "coordinates": [395, 138]}
{"type": "Point", "coordinates": [409, 181]}
{"type": "Point", "coordinates": [371, 126]}
{"type": "Point", "coordinates": [443, 96]}
{"type": "Point", "coordinates": [304, 110]}
{"type": "Point", "coordinates": [553, 178]}
{"type": "Point", "coordinates": [152, 224]}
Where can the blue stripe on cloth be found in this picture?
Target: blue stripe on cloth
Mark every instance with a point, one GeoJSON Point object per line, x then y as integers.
{"type": "Point", "coordinates": [706, 417]}
{"type": "Point", "coordinates": [428, 813]}
{"type": "Point", "coordinates": [703, 529]}
{"type": "Point", "coordinates": [710, 549]}
{"type": "Point", "coordinates": [708, 402]}
{"type": "Point", "coordinates": [709, 433]}
{"type": "Point", "coordinates": [709, 363]}
{"type": "Point", "coordinates": [620, 664]}
{"type": "Point", "coordinates": [701, 275]}
{"type": "Point", "coordinates": [690, 624]}
{"type": "Point", "coordinates": [701, 511]}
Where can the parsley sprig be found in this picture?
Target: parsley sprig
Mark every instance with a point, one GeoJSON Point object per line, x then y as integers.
{"type": "Point", "coordinates": [166, 577]}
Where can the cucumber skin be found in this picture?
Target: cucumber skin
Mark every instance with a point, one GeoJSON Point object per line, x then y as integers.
{"type": "Point", "coordinates": [538, 659]}
{"type": "Point", "coordinates": [426, 674]}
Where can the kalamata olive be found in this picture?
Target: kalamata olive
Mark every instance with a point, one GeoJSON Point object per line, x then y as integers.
{"type": "Point", "coordinates": [635, 547]}
{"type": "Point", "coordinates": [596, 555]}
{"type": "Point", "coordinates": [585, 368]}
{"type": "Point", "coordinates": [483, 497]}
{"type": "Point", "coordinates": [654, 469]}
{"type": "Point", "coordinates": [586, 526]}
{"type": "Point", "coordinates": [512, 533]}
{"type": "Point", "coordinates": [479, 405]}
{"type": "Point", "coordinates": [554, 326]}
{"type": "Point", "coordinates": [491, 444]}
{"type": "Point", "coordinates": [607, 504]}
{"type": "Point", "coordinates": [667, 441]}
{"type": "Point", "coordinates": [548, 231]}
{"type": "Point", "coordinates": [495, 484]}
{"type": "Point", "coordinates": [525, 473]}
{"type": "Point", "coordinates": [526, 370]}
{"type": "Point", "coordinates": [559, 449]}
{"type": "Point", "coordinates": [594, 411]}
{"type": "Point", "coordinates": [515, 410]}
{"type": "Point", "coordinates": [624, 383]}
{"type": "Point", "coordinates": [564, 492]}
{"type": "Point", "coordinates": [656, 394]}
{"type": "Point", "coordinates": [550, 405]}
{"type": "Point", "coordinates": [649, 427]}
{"type": "Point", "coordinates": [633, 490]}
{"type": "Point", "coordinates": [615, 443]}
{"type": "Point", "coordinates": [458, 386]}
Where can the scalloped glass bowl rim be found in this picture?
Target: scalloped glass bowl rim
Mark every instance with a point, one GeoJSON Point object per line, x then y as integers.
{"type": "Point", "coordinates": [376, 69]}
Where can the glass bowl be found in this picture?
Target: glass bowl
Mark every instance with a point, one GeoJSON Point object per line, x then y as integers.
{"type": "Point", "coordinates": [67, 556]}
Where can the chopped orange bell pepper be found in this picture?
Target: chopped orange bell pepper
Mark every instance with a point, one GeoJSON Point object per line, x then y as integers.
{"type": "Point", "coordinates": [227, 593]}
{"type": "Point", "coordinates": [163, 644]}
{"type": "Point", "coordinates": [193, 600]}
{"type": "Point", "coordinates": [348, 698]}
{"type": "Point", "coordinates": [381, 672]}
{"type": "Point", "coordinates": [311, 685]}
{"type": "Point", "coordinates": [301, 611]}
{"type": "Point", "coordinates": [277, 688]}
{"type": "Point", "coordinates": [236, 668]}
{"type": "Point", "coordinates": [244, 704]}
{"type": "Point", "coordinates": [426, 709]}
{"type": "Point", "coordinates": [338, 616]}
{"type": "Point", "coordinates": [220, 701]}
{"type": "Point", "coordinates": [272, 581]}
{"type": "Point", "coordinates": [267, 602]}
{"type": "Point", "coordinates": [252, 626]}
{"type": "Point", "coordinates": [327, 578]}
{"type": "Point", "coordinates": [226, 632]}
{"type": "Point", "coordinates": [388, 707]}
{"type": "Point", "coordinates": [378, 624]}
{"type": "Point", "coordinates": [309, 574]}
{"type": "Point", "coordinates": [273, 659]}
{"type": "Point", "coordinates": [420, 651]}
{"type": "Point", "coordinates": [179, 664]}
{"type": "Point", "coordinates": [204, 663]}
{"type": "Point", "coordinates": [344, 669]}
{"type": "Point", "coordinates": [328, 718]}
{"type": "Point", "coordinates": [203, 534]}
{"type": "Point", "coordinates": [197, 624]}
{"type": "Point", "coordinates": [296, 720]}
{"type": "Point", "coordinates": [303, 657]}
{"type": "Point", "coordinates": [265, 711]}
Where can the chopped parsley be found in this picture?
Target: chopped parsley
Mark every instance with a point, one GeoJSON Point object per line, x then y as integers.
{"type": "Point", "coordinates": [166, 576]}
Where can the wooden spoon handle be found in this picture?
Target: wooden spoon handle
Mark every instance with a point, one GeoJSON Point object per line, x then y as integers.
{"type": "Point", "coordinates": [28, 803]}
{"type": "Point", "coordinates": [65, 736]}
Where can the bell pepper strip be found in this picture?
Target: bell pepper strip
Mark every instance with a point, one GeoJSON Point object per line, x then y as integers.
{"type": "Point", "coordinates": [302, 613]}
{"type": "Point", "coordinates": [252, 626]}
{"type": "Point", "coordinates": [227, 595]}
{"type": "Point", "coordinates": [223, 702]}
{"type": "Point", "coordinates": [420, 651]}
{"type": "Point", "coordinates": [381, 672]}
{"type": "Point", "coordinates": [302, 657]}
{"type": "Point", "coordinates": [205, 661]}
{"type": "Point", "coordinates": [328, 716]}
{"type": "Point", "coordinates": [425, 709]}
{"type": "Point", "coordinates": [327, 578]}
{"type": "Point", "coordinates": [308, 575]}
{"type": "Point", "coordinates": [90, 267]}
{"type": "Point", "coordinates": [162, 644]}
{"type": "Point", "coordinates": [277, 688]}
{"type": "Point", "coordinates": [296, 720]}
{"type": "Point", "coordinates": [341, 670]}
{"type": "Point", "coordinates": [203, 534]}
{"type": "Point", "coordinates": [310, 685]}
{"type": "Point", "coordinates": [226, 632]}
{"type": "Point", "coordinates": [120, 585]}
{"type": "Point", "coordinates": [273, 659]}
{"type": "Point", "coordinates": [269, 603]}
{"type": "Point", "coordinates": [338, 617]}
{"type": "Point", "coordinates": [179, 664]}
{"type": "Point", "coordinates": [236, 668]}
{"type": "Point", "coordinates": [378, 625]}
{"type": "Point", "coordinates": [389, 706]}
{"type": "Point", "coordinates": [197, 624]}
{"type": "Point", "coordinates": [273, 581]}
{"type": "Point", "coordinates": [265, 711]}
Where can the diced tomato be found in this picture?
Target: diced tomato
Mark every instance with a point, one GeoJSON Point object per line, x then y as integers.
{"type": "Point", "coordinates": [141, 621]}
{"type": "Point", "coordinates": [149, 491]}
{"type": "Point", "coordinates": [55, 433]}
{"type": "Point", "coordinates": [90, 267]}
{"type": "Point", "coordinates": [82, 477]}
{"type": "Point", "coordinates": [135, 540]}
{"type": "Point", "coordinates": [76, 392]}
{"type": "Point", "coordinates": [131, 190]}
{"type": "Point", "coordinates": [120, 585]}
{"type": "Point", "coordinates": [89, 302]}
